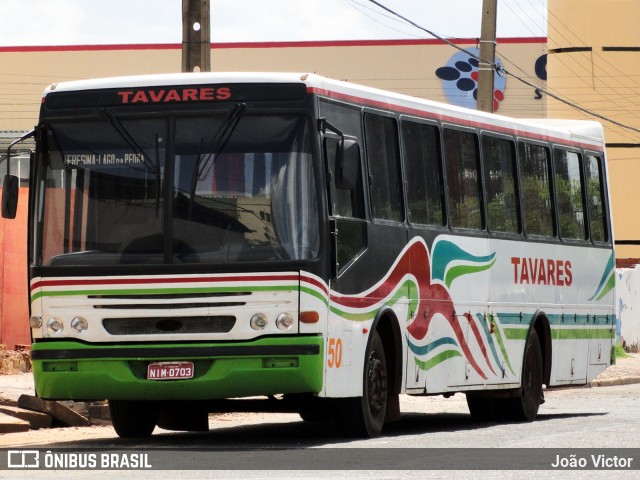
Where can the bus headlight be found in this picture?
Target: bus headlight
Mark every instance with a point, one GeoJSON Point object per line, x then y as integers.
{"type": "Point", "coordinates": [259, 321]}
{"type": "Point", "coordinates": [284, 321]}
{"type": "Point", "coordinates": [79, 324]}
{"type": "Point", "coordinates": [35, 321]}
{"type": "Point", "coordinates": [54, 326]}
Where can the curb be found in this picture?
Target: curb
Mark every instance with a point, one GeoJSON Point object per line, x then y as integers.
{"type": "Point", "coordinates": [610, 382]}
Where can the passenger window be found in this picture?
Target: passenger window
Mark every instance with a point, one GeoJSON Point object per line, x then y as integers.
{"type": "Point", "coordinates": [421, 145]}
{"type": "Point", "coordinates": [595, 199]}
{"type": "Point", "coordinates": [535, 182]}
{"type": "Point", "coordinates": [383, 157]}
{"type": "Point", "coordinates": [463, 179]}
{"type": "Point", "coordinates": [568, 183]}
{"type": "Point", "coordinates": [499, 157]}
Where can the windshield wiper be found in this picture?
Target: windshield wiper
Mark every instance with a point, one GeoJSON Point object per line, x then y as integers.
{"type": "Point", "coordinates": [126, 136]}
{"type": "Point", "coordinates": [205, 162]}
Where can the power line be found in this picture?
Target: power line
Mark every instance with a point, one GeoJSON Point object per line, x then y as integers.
{"type": "Point", "coordinates": [353, 4]}
{"type": "Point", "coordinates": [610, 96]}
{"type": "Point", "coordinates": [499, 69]}
{"type": "Point", "coordinates": [433, 34]}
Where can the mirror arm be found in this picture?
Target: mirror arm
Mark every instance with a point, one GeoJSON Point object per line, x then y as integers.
{"type": "Point", "coordinates": [15, 142]}
{"type": "Point", "coordinates": [324, 125]}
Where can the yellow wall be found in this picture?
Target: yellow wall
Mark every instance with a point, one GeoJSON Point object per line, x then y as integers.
{"type": "Point", "coordinates": [24, 75]}
{"type": "Point", "coordinates": [605, 81]}
{"type": "Point", "coordinates": [405, 66]}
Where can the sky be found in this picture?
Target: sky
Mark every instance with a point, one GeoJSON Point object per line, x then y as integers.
{"type": "Point", "coordinates": [89, 22]}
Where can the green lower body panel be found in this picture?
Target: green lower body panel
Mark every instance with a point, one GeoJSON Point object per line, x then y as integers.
{"type": "Point", "coordinates": [70, 370]}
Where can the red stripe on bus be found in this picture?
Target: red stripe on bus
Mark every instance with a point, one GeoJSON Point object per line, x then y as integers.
{"type": "Point", "coordinates": [387, 105]}
{"type": "Point", "coordinates": [321, 285]}
{"type": "Point", "coordinates": [148, 281]}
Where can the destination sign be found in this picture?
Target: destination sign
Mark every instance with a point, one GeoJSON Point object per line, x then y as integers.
{"type": "Point", "coordinates": [170, 95]}
{"type": "Point", "coordinates": [103, 159]}
{"type": "Point", "coordinates": [166, 95]}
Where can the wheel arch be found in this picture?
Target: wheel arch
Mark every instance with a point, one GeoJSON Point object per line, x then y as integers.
{"type": "Point", "coordinates": [387, 326]}
{"type": "Point", "coordinates": [543, 330]}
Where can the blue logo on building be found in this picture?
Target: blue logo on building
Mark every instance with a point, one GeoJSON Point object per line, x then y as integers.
{"type": "Point", "coordinates": [460, 80]}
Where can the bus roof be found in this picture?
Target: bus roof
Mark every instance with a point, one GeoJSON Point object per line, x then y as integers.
{"type": "Point", "coordinates": [584, 133]}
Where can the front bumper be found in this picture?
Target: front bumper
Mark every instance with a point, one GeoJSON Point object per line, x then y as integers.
{"type": "Point", "coordinates": [72, 370]}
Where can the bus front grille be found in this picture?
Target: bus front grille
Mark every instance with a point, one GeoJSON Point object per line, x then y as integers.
{"type": "Point", "coordinates": [168, 325]}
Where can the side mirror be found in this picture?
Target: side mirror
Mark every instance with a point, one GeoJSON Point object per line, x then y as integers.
{"type": "Point", "coordinates": [10, 189]}
{"type": "Point", "coordinates": [347, 164]}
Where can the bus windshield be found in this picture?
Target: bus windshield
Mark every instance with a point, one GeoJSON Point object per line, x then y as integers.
{"type": "Point", "coordinates": [224, 188]}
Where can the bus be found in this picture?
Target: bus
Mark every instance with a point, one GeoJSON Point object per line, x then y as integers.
{"type": "Point", "coordinates": [208, 236]}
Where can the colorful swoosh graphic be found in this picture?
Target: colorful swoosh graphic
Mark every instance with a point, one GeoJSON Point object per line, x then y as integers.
{"type": "Point", "coordinates": [450, 262]}
{"type": "Point", "coordinates": [412, 270]}
{"type": "Point", "coordinates": [608, 280]}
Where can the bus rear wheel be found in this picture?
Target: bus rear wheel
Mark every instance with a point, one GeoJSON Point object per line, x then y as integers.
{"type": "Point", "coordinates": [133, 419]}
{"type": "Point", "coordinates": [364, 416]}
{"type": "Point", "coordinates": [525, 406]}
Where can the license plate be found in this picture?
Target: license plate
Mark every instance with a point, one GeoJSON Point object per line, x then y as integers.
{"type": "Point", "coordinates": [170, 371]}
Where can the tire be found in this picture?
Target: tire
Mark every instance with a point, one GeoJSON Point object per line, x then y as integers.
{"type": "Point", "coordinates": [312, 409]}
{"type": "Point", "coordinates": [524, 408]}
{"type": "Point", "coordinates": [364, 416]}
{"type": "Point", "coordinates": [132, 419]}
{"type": "Point", "coordinates": [482, 409]}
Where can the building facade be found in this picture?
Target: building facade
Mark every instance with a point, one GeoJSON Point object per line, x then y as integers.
{"type": "Point", "coordinates": [422, 68]}
{"type": "Point", "coordinates": [594, 63]}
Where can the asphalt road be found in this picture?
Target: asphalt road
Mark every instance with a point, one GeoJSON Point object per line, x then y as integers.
{"type": "Point", "coordinates": [570, 420]}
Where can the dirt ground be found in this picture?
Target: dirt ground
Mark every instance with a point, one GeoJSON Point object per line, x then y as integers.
{"type": "Point", "coordinates": [12, 361]}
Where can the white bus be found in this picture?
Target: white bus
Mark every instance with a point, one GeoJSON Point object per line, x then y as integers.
{"type": "Point", "coordinates": [200, 237]}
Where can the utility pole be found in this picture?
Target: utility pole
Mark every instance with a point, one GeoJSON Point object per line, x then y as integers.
{"type": "Point", "coordinates": [196, 38]}
{"type": "Point", "coordinates": [487, 55]}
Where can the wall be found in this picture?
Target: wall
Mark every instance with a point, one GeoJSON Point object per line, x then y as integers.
{"type": "Point", "coordinates": [628, 307]}
{"type": "Point", "coordinates": [404, 66]}
{"type": "Point", "coordinates": [14, 296]}
{"type": "Point", "coordinates": [422, 68]}
{"type": "Point", "coordinates": [594, 61]}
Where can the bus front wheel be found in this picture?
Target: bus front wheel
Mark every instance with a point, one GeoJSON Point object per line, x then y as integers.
{"type": "Point", "coordinates": [364, 416]}
{"type": "Point", "coordinates": [132, 419]}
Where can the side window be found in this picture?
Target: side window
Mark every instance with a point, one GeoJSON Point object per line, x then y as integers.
{"type": "Point", "coordinates": [568, 183]}
{"type": "Point", "coordinates": [463, 179]}
{"type": "Point", "coordinates": [535, 182]}
{"type": "Point", "coordinates": [421, 148]}
{"type": "Point", "coordinates": [383, 157]}
{"type": "Point", "coordinates": [499, 157]}
{"type": "Point", "coordinates": [595, 199]}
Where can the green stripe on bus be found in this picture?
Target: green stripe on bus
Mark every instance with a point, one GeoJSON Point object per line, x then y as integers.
{"type": "Point", "coordinates": [582, 333]}
{"type": "Point", "coordinates": [314, 293]}
{"type": "Point", "coordinates": [401, 292]}
{"type": "Point", "coordinates": [516, 333]}
{"type": "Point", "coordinates": [500, 342]}
{"type": "Point", "coordinates": [459, 270]}
{"type": "Point", "coordinates": [564, 333]}
{"type": "Point", "coordinates": [437, 359]}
